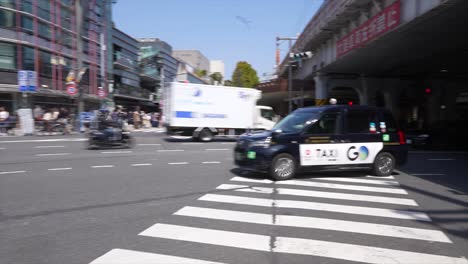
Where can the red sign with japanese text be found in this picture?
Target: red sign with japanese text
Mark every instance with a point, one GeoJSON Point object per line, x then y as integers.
{"type": "Point", "coordinates": [384, 21]}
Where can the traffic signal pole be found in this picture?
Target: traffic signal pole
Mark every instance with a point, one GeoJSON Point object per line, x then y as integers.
{"type": "Point", "coordinates": [290, 83]}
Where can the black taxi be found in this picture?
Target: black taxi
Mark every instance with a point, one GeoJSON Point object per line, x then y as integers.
{"type": "Point", "coordinates": [332, 137]}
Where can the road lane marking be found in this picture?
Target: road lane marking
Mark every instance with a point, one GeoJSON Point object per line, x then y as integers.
{"type": "Point", "coordinates": [211, 162]}
{"type": "Point", "coordinates": [11, 172]}
{"type": "Point", "coordinates": [358, 180]}
{"type": "Point", "coordinates": [345, 209]}
{"type": "Point", "coordinates": [149, 144]}
{"type": "Point", "coordinates": [46, 140]}
{"type": "Point", "coordinates": [49, 146]}
{"type": "Point", "coordinates": [427, 174]}
{"type": "Point", "coordinates": [178, 163]}
{"type": "Point", "coordinates": [2, 148]}
{"type": "Point", "coordinates": [290, 245]}
{"type": "Point", "coordinates": [316, 223]}
{"type": "Point", "coordinates": [102, 166]}
{"type": "Point", "coordinates": [440, 159]}
{"type": "Point", "coordinates": [123, 256]}
{"type": "Point", "coordinates": [192, 143]}
{"type": "Point", "coordinates": [215, 149]}
{"type": "Point", "coordinates": [141, 164]}
{"type": "Point", "coordinates": [52, 154]}
{"type": "Point", "coordinates": [170, 150]}
{"type": "Point", "coordinates": [116, 152]}
{"type": "Point", "coordinates": [327, 195]}
{"type": "Point", "coordinates": [59, 169]}
{"type": "Point", "coordinates": [228, 143]}
{"type": "Point", "coordinates": [325, 185]}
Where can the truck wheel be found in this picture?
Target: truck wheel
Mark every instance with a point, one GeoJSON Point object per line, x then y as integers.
{"type": "Point", "coordinates": [283, 167]}
{"type": "Point", "coordinates": [205, 135]}
{"type": "Point", "coordinates": [384, 164]}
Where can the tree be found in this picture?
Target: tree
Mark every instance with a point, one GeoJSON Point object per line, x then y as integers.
{"type": "Point", "coordinates": [200, 73]}
{"type": "Point", "coordinates": [244, 75]}
{"type": "Point", "coordinates": [228, 83]}
{"type": "Point", "coordinates": [217, 77]}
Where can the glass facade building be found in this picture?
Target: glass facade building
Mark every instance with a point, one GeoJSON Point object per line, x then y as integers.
{"type": "Point", "coordinates": [53, 38]}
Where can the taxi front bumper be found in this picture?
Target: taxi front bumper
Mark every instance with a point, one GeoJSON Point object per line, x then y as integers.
{"type": "Point", "coordinates": [256, 159]}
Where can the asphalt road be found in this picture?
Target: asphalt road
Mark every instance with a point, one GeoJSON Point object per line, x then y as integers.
{"type": "Point", "coordinates": [175, 201]}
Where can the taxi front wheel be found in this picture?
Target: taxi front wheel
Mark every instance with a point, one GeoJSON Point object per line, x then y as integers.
{"type": "Point", "coordinates": [283, 167]}
{"type": "Point", "coordinates": [384, 164]}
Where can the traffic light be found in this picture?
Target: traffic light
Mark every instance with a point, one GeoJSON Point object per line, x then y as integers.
{"type": "Point", "coordinates": [428, 91]}
{"type": "Point", "coordinates": [301, 55]}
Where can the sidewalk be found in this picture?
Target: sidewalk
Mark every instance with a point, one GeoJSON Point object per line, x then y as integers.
{"type": "Point", "coordinates": [74, 133]}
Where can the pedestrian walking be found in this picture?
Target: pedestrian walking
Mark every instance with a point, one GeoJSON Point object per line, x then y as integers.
{"type": "Point", "coordinates": [4, 116]}
{"type": "Point", "coordinates": [136, 118]}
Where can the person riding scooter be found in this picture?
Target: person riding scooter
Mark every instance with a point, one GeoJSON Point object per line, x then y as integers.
{"type": "Point", "coordinates": [109, 132]}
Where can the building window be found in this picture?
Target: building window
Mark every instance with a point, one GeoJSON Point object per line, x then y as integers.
{"type": "Point", "coordinates": [85, 46]}
{"type": "Point", "coordinates": [44, 64]}
{"type": "Point", "coordinates": [65, 18]}
{"type": "Point", "coordinates": [27, 23]}
{"type": "Point", "coordinates": [44, 31]}
{"type": "Point", "coordinates": [26, 6]}
{"type": "Point", "coordinates": [7, 3]}
{"type": "Point", "coordinates": [64, 38]}
{"type": "Point", "coordinates": [28, 59]}
{"type": "Point", "coordinates": [7, 19]}
{"type": "Point", "coordinates": [67, 2]}
{"type": "Point", "coordinates": [7, 56]}
{"type": "Point", "coordinates": [44, 9]}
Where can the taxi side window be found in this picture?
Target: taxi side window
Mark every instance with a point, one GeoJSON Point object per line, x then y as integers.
{"type": "Point", "coordinates": [359, 120]}
{"type": "Point", "coordinates": [390, 122]}
{"type": "Point", "coordinates": [329, 123]}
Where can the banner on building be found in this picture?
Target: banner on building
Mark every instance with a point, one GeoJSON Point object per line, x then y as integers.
{"type": "Point", "coordinates": [384, 21]}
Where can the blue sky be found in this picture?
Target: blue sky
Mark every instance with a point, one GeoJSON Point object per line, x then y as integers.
{"type": "Point", "coordinates": [227, 30]}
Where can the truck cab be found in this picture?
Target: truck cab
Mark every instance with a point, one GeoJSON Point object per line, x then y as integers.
{"type": "Point", "coordinates": [265, 118]}
{"type": "Point", "coordinates": [334, 137]}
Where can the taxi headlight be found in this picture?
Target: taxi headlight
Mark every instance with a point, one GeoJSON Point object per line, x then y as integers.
{"type": "Point", "coordinates": [261, 143]}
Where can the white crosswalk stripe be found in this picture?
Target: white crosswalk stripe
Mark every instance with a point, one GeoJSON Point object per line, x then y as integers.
{"type": "Point", "coordinates": [325, 185]}
{"type": "Point", "coordinates": [307, 193]}
{"type": "Point", "coordinates": [344, 209]}
{"type": "Point", "coordinates": [314, 222]}
{"type": "Point", "coordinates": [123, 256]}
{"type": "Point", "coordinates": [366, 222]}
{"type": "Point", "coordinates": [368, 181]}
{"type": "Point", "coordinates": [290, 245]}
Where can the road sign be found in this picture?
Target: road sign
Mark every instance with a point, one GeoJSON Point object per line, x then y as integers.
{"type": "Point", "coordinates": [23, 81]}
{"type": "Point", "coordinates": [32, 81]}
{"type": "Point", "coordinates": [27, 81]}
{"type": "Point", "coordinates": [101, 93]}
{"type": "Point", "coordinates": [71, 88]}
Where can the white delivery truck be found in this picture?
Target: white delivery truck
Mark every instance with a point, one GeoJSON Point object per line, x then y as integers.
{"type": "Point", "coordinates": [205, 111]}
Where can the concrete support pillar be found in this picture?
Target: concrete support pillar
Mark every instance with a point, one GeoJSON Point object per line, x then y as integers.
{"type": "Point", "coordinates": [321, 91]}
{"type": "Point", "coordinates": [364, 94]}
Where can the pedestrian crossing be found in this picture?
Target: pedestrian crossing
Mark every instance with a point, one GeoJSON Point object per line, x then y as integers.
{"type": "Point", "coordinates": [341, 219]}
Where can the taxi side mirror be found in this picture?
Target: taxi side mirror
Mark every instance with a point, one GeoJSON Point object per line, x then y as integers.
{"type": "Point", "coordinates": [276, 133]}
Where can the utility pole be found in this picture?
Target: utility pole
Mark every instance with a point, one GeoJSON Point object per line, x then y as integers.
{"type": "Point", "coordinates": [290, 83]}
{"type": "Point", "coordinates": [79, 45]}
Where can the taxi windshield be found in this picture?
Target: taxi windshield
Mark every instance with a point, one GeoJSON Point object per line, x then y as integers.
{"type": "Point", "coordinates": [296, 121]}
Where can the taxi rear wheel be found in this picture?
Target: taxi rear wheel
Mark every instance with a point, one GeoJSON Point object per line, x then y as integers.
{"type": "Point", "coordinates": [384, 164]}
{"type": "Point", "coordinates": [283, 167]}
